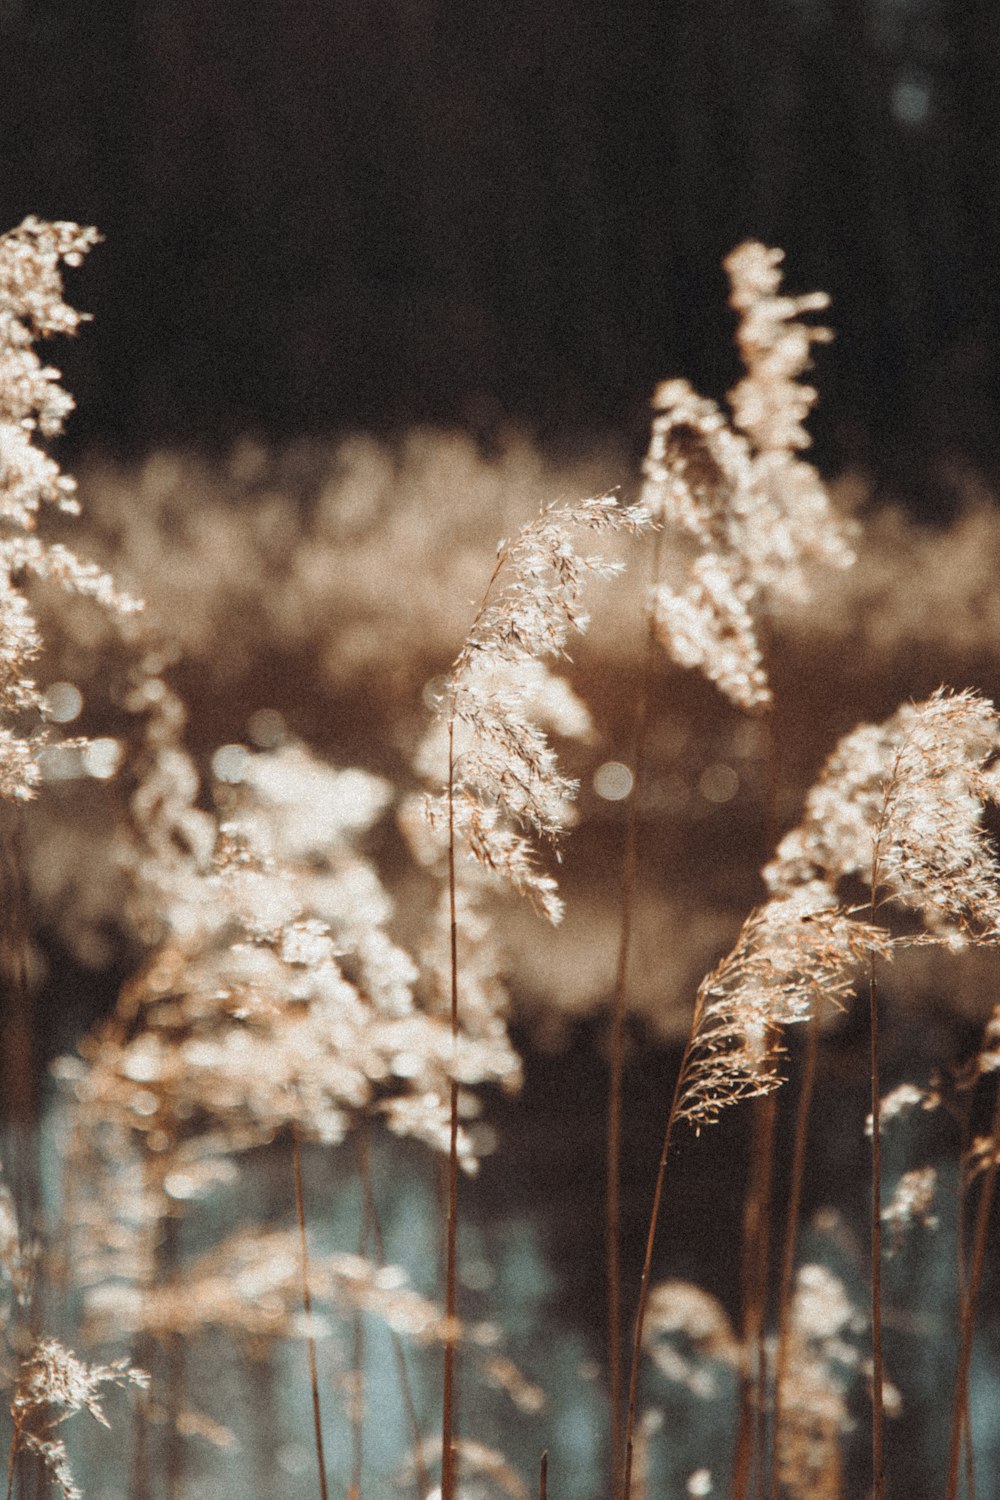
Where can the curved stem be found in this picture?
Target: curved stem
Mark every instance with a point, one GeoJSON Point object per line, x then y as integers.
{"type": "Point", "coordinates": [751, 1433]}
{"type": "Point", "coordinates": [878, 1375]}
{"type": "Point", "coordinates": [961, 1399]}
{"type": "Point", "coordinates": [358, 1353]}
{"type": "Point", "coordinates": [451, 1270]}
{"type": "Point", "coordinates": [790, 1244]}
{"type": "Point", "coordinates": [374, 1219]}
{"type": "Point", "coordinates": [756, 1257]}
{"type": "Point", "coordinates": [878, 1369]}
{"type": "Point", "coordinates": [963, 1292]}
{"type": "Point", "coordinates": [629, 873]}
{"type": "Point", "coordinates": [633, 1383]}
{"type": "Point", "coordinates": [15, 1444]}
{"type": "Point", "coordinates": [307, 1304]}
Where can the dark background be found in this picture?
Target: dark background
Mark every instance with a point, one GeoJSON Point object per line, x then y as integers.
{"type": "Point", "coordinates": [330, 213]}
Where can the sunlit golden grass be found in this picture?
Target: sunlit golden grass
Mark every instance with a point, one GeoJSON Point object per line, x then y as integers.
{"type": "Point", "coordinates": [310, 772]}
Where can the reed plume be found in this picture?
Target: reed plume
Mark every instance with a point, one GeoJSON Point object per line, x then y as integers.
{"type": "Point", "coordinates": [503, 783]}
{"type": "Point", "coordinates": [749, 519]}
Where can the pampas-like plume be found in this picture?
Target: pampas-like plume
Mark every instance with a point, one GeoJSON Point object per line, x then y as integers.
{"type": "Point", "coordinates": [688, 1334]}
{"type": "Point", "coordinates": [792, 953]}
{"type": "Point", "coordinates": [52, 1386]}
{"type": "Point", "coordinates": [503, 780]}
{"type": "Point", "coordinates": [503, 783]}
{"type": "Point", "coordinates": [821, 1359]}
{"type": "Point", "coordinates": [755, 516]}
{"type": "Point", "coordinates": [33, 403]}
{"type": "Point", "coordinates": [749, 517]}
{"type": "Point", "coordinates": [900, 805]}
{"type": "Point", "coordinates": [912, 1202]}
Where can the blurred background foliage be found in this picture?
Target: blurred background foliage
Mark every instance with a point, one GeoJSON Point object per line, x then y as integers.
{"type": "Point", "coordinates": [322, 215]}
{"type": "Point", "coordinates": [507, 221]}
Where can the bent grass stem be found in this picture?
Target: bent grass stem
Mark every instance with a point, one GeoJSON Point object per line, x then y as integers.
{"type": "Point", "coordinates": [790, 1244]}
{"type": "Point", "coordinates": [307, 1305]}
{"type": "Point", "coordinates": [961, 1398]}
{"type": "Point", "coordinates": [629, 874]}
{"type": "Point", "coordinates": [451, 1270]}
{"type": "Point", "coordinates": [633, 1383]}
{"type": "Point", "coordinates": [374, 1220]}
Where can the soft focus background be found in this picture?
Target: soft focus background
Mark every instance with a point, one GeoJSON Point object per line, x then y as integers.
{"type": "Point", "coordinates": [379, 280]}
{"type": "Point", "coordinates": [330, 215]}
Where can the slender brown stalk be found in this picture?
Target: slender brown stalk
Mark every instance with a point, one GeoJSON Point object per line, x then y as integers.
{"type": "Point", "coordinates": [358, 1359]}
{"type": "Point", "coordinates": [140, 1486]}
{"type": "Point", "coordinates": [751, 1432]}
{"type": "Point", "coordinates": [963, 1292]}
{"type": "Point", "coordinates": [15, 1445]}
{"type": "Point", "coordinates": [174, 1373]}
{"type": "Point", "coordinates": [756, 1257]}
{"type": "Point", "coordinates": [618, 1008]}
{"type": "Point", "coordinates": [374, 1219]}
{"type": "Point", "coordinates": [878, 1375]}
{"type": "Point", "coordinates": [18, 1069]}
{"type": "Point", "coordinates": [791, 1241]}
{"type": "Point", "coordinates": [878, 1369]}
{"type": "Point", "coordinates": [358, 1409]}
{"type": "Point", "coordinates": [451, 1270]}
{"type": "Point", "coordinates": [543, 1476]}
{"type": "Point", "coordinates": [451, 1240]}
{"type": "Point", "coordinates": [145, 1351]}
{"type": "Point", "coordinates": [640, 1317]}
{"type": "Point", "coordinates": [307, 1304]}
{"type": "Point", "coordinates": [961, 1399]}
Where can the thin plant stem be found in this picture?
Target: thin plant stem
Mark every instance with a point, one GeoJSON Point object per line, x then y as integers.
{"type": "Point", "coordinates": [399, 1353]}
{"type": "Point", "coordinates": [878, 1376]}
{"type": "Point", "coordinates": [307, 1304]}
{"type": "Point", "coordinates": [144, 1355]}
{"type": "Point", "coordinates": [789, 1247]}
{"type": "Point", "coordinates": [751, 1434]}
{"type": "Point", "coordinates": [358, 1409]}
{"type": "Point", "coordinates": [139, 1472]}
{"type": "Point", "coordinates": [17, 1037]}
{"type": "Point", "coordinates": [640, 1318]}
{"type": "Point", "coordinates": [358, 1360]}
{"type": "Point", "coordinates": [878, 1368]}
{"type": "Point", "coordinates": [174, 1359]}
{"type": "Point", "coordinates": [451, 1270]}
{"type": "Point", "coordinates": [756, 1254]}
{"type": "Point", "coordinates": [543, 1476]}
{"type": "Point", "coordinates": [15, 1445]}
{"type": "Point", "coordinates": [983, 1210]}
{"type": "Point", "coordinates": [629, 873]}
{"type": "Point", "coordinates": [451, 1246]}
{"type": "Point", "coordinates": [963, 1292]}
{"type": "Point", "coordinates": [768, 1108]}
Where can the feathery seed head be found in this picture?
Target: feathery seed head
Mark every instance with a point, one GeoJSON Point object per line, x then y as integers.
{"type": "Point", "coordinates": [33, 403]}
{"type": "Point", "coordinates": [752, 515]}
{"type": "Point", "coordinates": [504, 784]}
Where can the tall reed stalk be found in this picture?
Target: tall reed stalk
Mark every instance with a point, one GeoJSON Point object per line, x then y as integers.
{"type": "Point", "coordinates": [630, 865]}
{"type": "Point", "coordinates": [962, 1281]}
{"type": "Point", "coordinates": [374, 1220]}
{"type": "Point", "coordinates": [790, 1242]}
{"type": "Point", "coordinates": [960, 1402]}
{"type": "Point", "coordinates": [750, 1445]}
{"type": "Point", "coordinates": [647, 1264]}
{"type": "Point", "coordinates": [878, 1372]}
{"type": "Point", "coordinates": [307, 1306]}
{"type": "Point", "coordinates": [504, 779]}
{"type": "Point", "coordinates": [451, 1251]}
